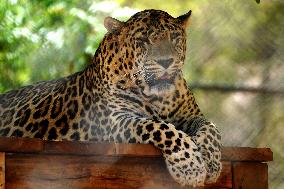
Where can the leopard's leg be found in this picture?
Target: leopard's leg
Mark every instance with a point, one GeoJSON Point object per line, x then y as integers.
{"type": "Point", "coordinates": [181, 155]}
{"type": "Point", "coordinates": [208, 140]}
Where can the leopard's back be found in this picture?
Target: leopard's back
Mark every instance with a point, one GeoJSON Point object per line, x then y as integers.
{"type": "Point", "coordinates": [47, 110]}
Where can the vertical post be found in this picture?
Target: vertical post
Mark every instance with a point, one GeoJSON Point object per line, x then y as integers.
{"type": "Point", "coordinates": [2, 170]}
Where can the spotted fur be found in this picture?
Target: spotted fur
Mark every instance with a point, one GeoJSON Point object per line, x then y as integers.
{"type": "Point", "coordinates": [133, 92]}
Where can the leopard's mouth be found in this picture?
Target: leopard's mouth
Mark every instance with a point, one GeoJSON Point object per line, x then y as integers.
{"type": "Point", "coordinates": [162, 83]}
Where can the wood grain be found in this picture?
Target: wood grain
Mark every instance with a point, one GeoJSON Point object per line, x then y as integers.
{"type": "Point", "coordinates": [33, 163]}
{"type": "Point", "coordinates": [247, 154]}
{"type": "Point", "coordinates": [2, 170]}
{"type": "Point", "coordinates": [25, 145]}
{"type": "Point", "coordinates": [28, 171]}
{"type": "Point", "coordinates": [250, 175]}
{"type": "Point", "coordinates": [14, 144]}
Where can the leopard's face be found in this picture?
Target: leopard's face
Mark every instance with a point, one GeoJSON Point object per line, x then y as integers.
{"type": "Point", "coordinates": [150, 51]}
{"type": "Point", "coordinates": [161, 59]}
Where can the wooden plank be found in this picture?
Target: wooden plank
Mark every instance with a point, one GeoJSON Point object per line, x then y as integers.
{"type": "Point", "coordinates": [78, 148]}
{"type": "Point", "coordinates": [21, 145]}
{"type": "Point", "coordinates": [2, 170]}
{"type": "Point", "coordinates": [53, 171]}
{"type": "Point", "coordinates": [115, 172]}
{"type": "Point", "coordinates": [108, 149]}
{"type": "Point", "coordinates": [250, 175]}
{"type": "Point", "coordinates": [247, 154]}
{"type": "Point", "coordinates": [137, 150]}
{"type": "Point", "coordinates": [90, 148]}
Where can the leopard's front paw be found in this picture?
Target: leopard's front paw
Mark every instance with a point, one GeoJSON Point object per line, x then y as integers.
{"type": "Point", "coordinates": [186, 165]}
{"type": "Point", "coordinates": [213, 168]}
{"type": "Point", "coordinates": [208, 140]}
{"type": "Point", "coordinates": [212, 157]}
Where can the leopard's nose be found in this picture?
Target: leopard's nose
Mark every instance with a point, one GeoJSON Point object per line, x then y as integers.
{"type": "Point", "coordinates": [165, 62]}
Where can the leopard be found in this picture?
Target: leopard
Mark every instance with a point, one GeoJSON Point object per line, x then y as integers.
{"type": "Point", "coordinates": [132, 91]}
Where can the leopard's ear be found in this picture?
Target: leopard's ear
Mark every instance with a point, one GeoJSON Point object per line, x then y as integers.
{"type": "Point", "coordinates": [184, 19]}
{"type": "Point", "coordinates": [112, 24]}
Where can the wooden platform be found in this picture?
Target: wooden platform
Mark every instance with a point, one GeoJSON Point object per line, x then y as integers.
{"type": "Point", "coordinates": [34, 164]}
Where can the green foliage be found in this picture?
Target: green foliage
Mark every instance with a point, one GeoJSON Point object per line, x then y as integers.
{"type": "Point", "coordinates": [43, 40]}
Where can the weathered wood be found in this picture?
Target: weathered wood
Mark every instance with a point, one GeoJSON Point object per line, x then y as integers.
{"type": "Point", "coordinates": [247, 154]}
{"type": "Point", "coordinates": [89, 148]}
{"type": "Point", "coordinates": [78, 148]}
{"type": "Point", "coordinates": [250, 175]}
{"type": "Point", "coordinates": [114, 172]}
{"type": "Point", "coordinates": [2, 170]}
{"type": "Point", "coordinates": [13, 144]}
{"type": "Point", "coordinates": [33, 163]}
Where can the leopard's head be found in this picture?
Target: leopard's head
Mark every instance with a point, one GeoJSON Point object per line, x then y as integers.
{"type": "Point", "coordinates": [147, 51]}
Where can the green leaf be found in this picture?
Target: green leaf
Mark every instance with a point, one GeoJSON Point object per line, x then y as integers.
{"type": "Point", "coordinates": [258, 1]}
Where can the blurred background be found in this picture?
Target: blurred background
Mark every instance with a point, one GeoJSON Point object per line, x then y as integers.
{"type": "Point", "coordinates": [235, 61]}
